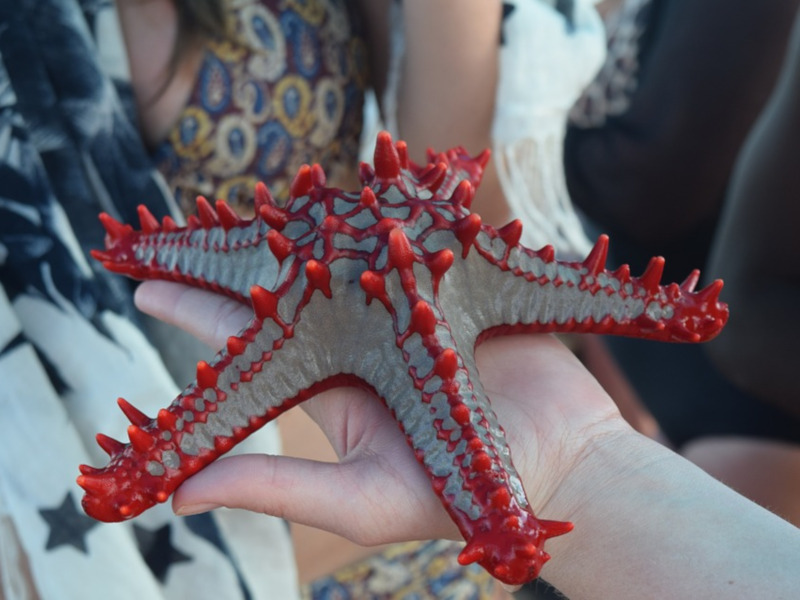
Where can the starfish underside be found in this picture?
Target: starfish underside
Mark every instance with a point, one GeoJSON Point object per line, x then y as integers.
{"type": "Point", "coordinates": [391, 288]}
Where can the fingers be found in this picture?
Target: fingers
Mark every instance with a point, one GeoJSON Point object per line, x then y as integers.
{"type": "Point", "coordinates": [208, 316]}
{"type": "Point", "coordinates": [354, 500]}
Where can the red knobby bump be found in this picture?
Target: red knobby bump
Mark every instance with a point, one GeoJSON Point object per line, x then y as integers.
{"type": "Point", "coordinates": [303, 183]}
{"type": "Point", "coordinates": [500, 498]}
{"type": "Point", "coordinates": [401, 255]}
{"type": "Point", "coordinates": [651, 278]}
{"type": "Point", "coordinates": [481, 462]}
{"type": "Point", "coordinates": [208, 216]}
{"type": "Point", "coordinates": [319, 276]}
{"type": "Point", "coordinates": [433, 176]}
{"type": "Point", "coordinates": [166, 420]}
{"type": "Point", "coordinates": [446, 364]}
{"type": "Point", "coordinates": [273, 216]}
{"type": "Point", "coordinates": [133, 414]}
{"type": "Point", "coordinates": [146, 219]}
{"type": "Point", "coordinates": [472, 552]}
{"type": "Point", "coordinates": [318, 177]}
{"type": "Point", "coordinates": [279, 244]}
{"type": "Point", "coordinates": [466, 230]}
{"type": "Point", "coordinates": [547, 253]}
{"type": "Point", "coordinates": [439, 263]}
{"type": "Point", "coordinates": [109, 444]}
{"type": "Point", "coordinates": [115, 230]}
{"type": "Point", "coordinates": [622, 274]}
{"type": "Point", "coordinates": [463, 194]}
{"type": "Point", "coordinates": [235, 345]}
{"type": "Point", "coordinates": [690, 282]}
{"type": "Point", "coordinates": [265, 303]}
{"type": "Point", "coordinates": [483, 158]}
{"type": "Point", "coordinates": [140, 439]}
{"type": "Point", "coordinates": [595, 262]}
{"type": "Point", "coordinates": [423, 321]}
{"type": "Point", "coordinates": [511, 232]}
{"type": "Point", "coordinates": [368, 197]}
{"type": "Point", "coordinates": [262, 196]}
{"type": "Point", "coordinates": [402, 153]}
{"type": "Point", "coordinates": [168, 224]}
{"type": "Point", "coordinates": [374, 284]}
{"type": "Point", "coordinates": [227, 216]}
{"type": "Point", "coordinates": [461, 414]}
{"type": "Point", "coordinates": [386, 159]}
{"type": "Point", "coordinates": [206, 375]}
{"type": "Point", "coordinates": [554, 528]}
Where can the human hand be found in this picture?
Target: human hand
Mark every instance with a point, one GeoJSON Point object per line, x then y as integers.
{"type": "Point", "coordinates": [551, 408]}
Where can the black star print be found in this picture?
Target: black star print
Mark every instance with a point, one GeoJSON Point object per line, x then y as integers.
{"type": "Point", "coordinates": [157, 549]}
{"type": "Point", "coordinates": [68, 525]}
{"type": "Point", "coordinates": [508, 8]}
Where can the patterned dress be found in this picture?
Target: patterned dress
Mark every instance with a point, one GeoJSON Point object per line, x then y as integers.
{"type": "Point", "coordinates": [288, 89]}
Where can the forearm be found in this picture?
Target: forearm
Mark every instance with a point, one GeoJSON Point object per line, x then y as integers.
{"type": "Point", "coordinates": [448, 81]}
{"type": "Point", "coordinates": [649, 524]}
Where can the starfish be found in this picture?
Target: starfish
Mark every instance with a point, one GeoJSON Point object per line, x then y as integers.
{"type": "Point", "coordinates": [391, 288]}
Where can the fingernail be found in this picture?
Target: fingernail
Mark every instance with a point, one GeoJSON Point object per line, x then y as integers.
{"type": "Point", "coordinates": [195, 509]}
{"type": "Point", "coordinates": [511, 588]}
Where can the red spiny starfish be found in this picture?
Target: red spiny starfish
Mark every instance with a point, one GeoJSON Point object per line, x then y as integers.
{"type": "Point", "coordinates": [391, 288]}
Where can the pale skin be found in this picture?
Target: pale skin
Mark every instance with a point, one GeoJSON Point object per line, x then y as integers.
{"type": "Point", "coordinates": [648, 522]}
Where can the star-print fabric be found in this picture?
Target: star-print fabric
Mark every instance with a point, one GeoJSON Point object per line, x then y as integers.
{"type": "Point", "coordinates": [69, 334]}
{"type": "Point", "coordinates": [286, 90]}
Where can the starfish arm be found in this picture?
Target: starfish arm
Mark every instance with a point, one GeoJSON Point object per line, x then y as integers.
{"type": "Point", "coordinates": [454, 433]}
{"type": "Point", "coordinates": [217, 251]}
{"type": "Point", "coordinates": [526, 290]}
{"type": "Point", "coordinates": [255, 378]}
